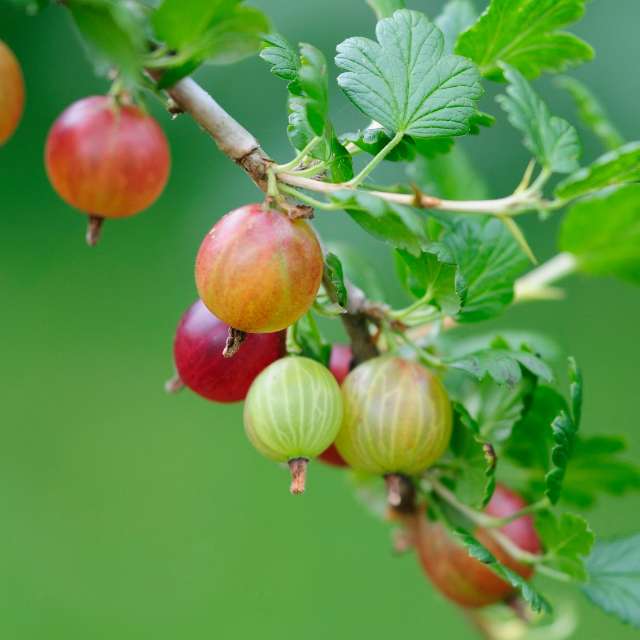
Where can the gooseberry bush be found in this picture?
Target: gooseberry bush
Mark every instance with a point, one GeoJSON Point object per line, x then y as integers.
{"type": "Point", "coordinates": [470, 447]}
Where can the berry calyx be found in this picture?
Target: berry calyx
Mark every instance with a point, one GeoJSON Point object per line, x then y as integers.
{"type": "Point", "coordinates": [106, 159]}
{"type": "Point", "coordinates": [258, 270]}
{"type": "Point", "coordinates": [200, 362]}
{"type": "Point", "coordinates": [293, 413]}
{"type": "Point", "coordinates": [463, 579]}
{"type": "Point", "coordinates": [11, 92]}
{"type": "Point", "coordinates": [340, 365]}
{"type": "Point", "coordinates": [397, 417]}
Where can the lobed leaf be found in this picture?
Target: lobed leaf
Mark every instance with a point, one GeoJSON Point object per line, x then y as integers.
{"type": "Point", "coordinates": [526, 35]}
{"type": "Point", "coordinates": [428, 277]}
{"type": "Point", "coordinates": [612, 169]}
{"type": "Point", "coordinates": [405, 82]}
{"type": "Point", "coordinates": [502, 364]}
{"type": "Point", "coordinates": [567, 540]}
{"type": "Point", "coordinates": [475, 473]}
{"type": "Point", "coordinates": [535, 600]}
{"type": "Point", "coordinates": [552, 140]}
{"type": "Point", "coordinates": [564, 432]}
{"type": "Point", "coordinates": [489, 261]}
{"type": "Point", "coordinates": [305, 338]}
{"type": "Point", "coordinates": [402, 227]}
{"type": "Point", "coordinates": [614, 578]}
{"type": "Point", "coordinates": [603, 232]}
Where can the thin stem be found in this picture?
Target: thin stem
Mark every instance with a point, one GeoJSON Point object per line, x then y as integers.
{"type": "Point", "coordinates": [311, 171]}
{"type": "Point", "coordinates": [535, 284]}
{"type": "Point", "coordinates": [376, 160]}
{"type": "Point", "coordinates": [300, 157]}
{"type": "Point", "coordinates": [303, 197]}
{"type": "Point", "coordinates": [540, 505]}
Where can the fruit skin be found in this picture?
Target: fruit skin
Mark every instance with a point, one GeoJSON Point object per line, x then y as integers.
{"type": "Point", "coordinates": [259, 271]}
{"type": "Point", "coordinates": [340, 365]}
{"type": "Point", "coordinates": [397, 417]}
{"type": "Point", "coordinates": [197, 351]}
{"type": "Point", "coordinates": [293, 409]}
{"type": "Point", "coordinates": [106, 159]}
{"type": "Point", "coordinates": [463, 579]}
{"type": "Point", "coordinates": [11, 93]}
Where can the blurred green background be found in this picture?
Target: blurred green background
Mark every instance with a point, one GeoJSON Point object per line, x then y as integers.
{"type": "Point", "coordinates": [127, 513]}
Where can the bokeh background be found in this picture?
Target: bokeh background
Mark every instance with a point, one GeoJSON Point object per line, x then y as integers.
{"type": "Point", "coordinates": [127, 513]}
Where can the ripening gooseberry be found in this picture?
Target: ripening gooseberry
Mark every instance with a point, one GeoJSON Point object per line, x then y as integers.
{"type": "Point", "coordinates": [258, 270]}
{"type": "Point", "coordinates": [197, 350]}
{"type": "Point", "coordinates": [292, 413]}
{"type": "Point", "coordinates": [397, 417]}
{"type": "Point", "coordinates": [463, 579]}
{"type": "Point", "coordinates": [11, 92]}
{"type": "Point", "coordinates": [106, 159]}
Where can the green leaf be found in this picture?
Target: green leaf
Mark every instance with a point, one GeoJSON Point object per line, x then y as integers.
{"type": "Point", "coordinates": [336, 275]}
{"type": "Point", "coordinates": [502, 364]}
{"type": "Point", "coordinates": [475, 471]}
{"type": "Point", "coordinates": [567, 540]}
{"type": "Point", "coordinates": [374, 139]}
{"type": "Point", "coordinates": [341, 164]}
{"type": "Point", "coordinates": [427, 277]}
{"type": "Point", "coordinates": [405, 83]}
{"type": "Point", "coordinates": [31, 7]}
{"type": "Point", "coordinates": [305, 339]}
{"type": "Point", "coordinates": [358, 266]}
{"type": "Point", "coordinates": [402, 227]}
{"type": "Point", "coordinates": [456, 17]}
{"type": "Point", "coordinates": [525, 34]}
{"type": "Point", "coordinates": [592, 113]}
{"type": "Point", "coordinates": [385, 8]}
{"type": "Point", "coordinates": [531, 440]}
{"type": "Point", "coordinates": [552, 140]}
{"type": "Point", "coordinates": [282, 56]}
{"type": "Point", "coordinates": [614, 578]}
{"type": "Point", "coordinates": [603, 232]}
{"type": "Point", "coordinates": [218, 31]}
{"type": "Point", "coordinates": [114, 33]}
{"type": "Point", "coordinates": [613, 168]}
{"type": "Point", "coordinates": [489, 261]}
{"type": "Point", "coordinates": [564, 429]}
{"type": "Point", "coordinates": [596, 467]}
{"type": "Point", "coordinates": [535, 600]}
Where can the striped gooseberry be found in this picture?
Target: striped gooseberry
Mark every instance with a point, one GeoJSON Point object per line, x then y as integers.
{"type": "Point", "coordinates": [292, 413]}
{"type": "Point", "coordinates": [397, 417]}
{"type": "Point", "coordinates": [108, 160]}
{"type": "Point", "coordinates": [258, 270]}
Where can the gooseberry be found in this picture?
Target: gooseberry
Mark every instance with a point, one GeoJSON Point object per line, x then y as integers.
{"type": "Point", "coordinates": [108, 160]}
{"type": "Point", "coordinates": [463, 579]}
{"type": "Point", "coordinates": [397, 417]}
{"type": "Point", "coordinates": [197, 349]}
{"type": "Point", "coordinates": [292, 413]}
{"type": "Point", "coordinates": [11, 93]}
{"type": "Point", "coordinates": [340, 365]}
{"type": "Point", "coordinates": [258, 270]}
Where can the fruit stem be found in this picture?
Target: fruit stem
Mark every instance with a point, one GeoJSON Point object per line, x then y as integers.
{"type": "Point", "coordinates": [174, 384]}
{"type": "Point", "coordinates": [234, 340]}
{"type": "Point", "coordinates": [94, 228]}
{"type": "Point", "coordinates": [298, 468]}
{"type": "Point", "coordinates": [401, 494]}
